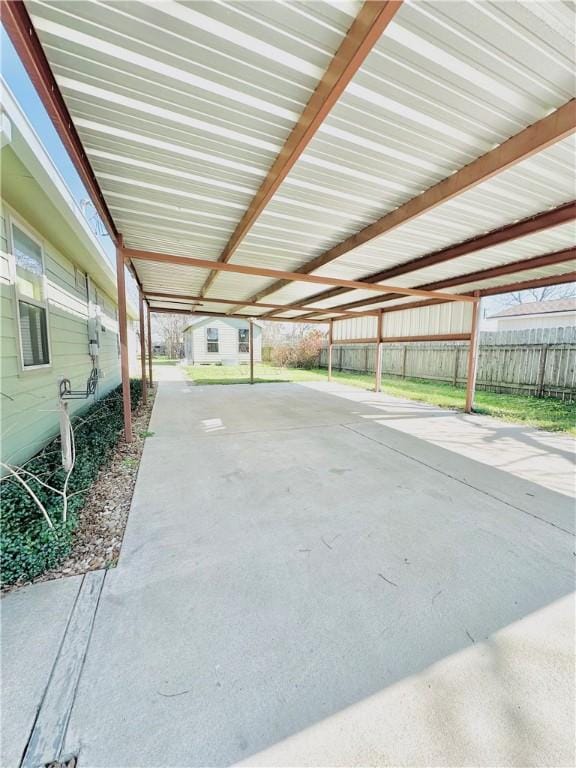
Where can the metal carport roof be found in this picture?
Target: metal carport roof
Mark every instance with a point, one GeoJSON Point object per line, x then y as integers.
{"type": "Point", "coordinates": [248, 152]}
{"type": "Point", "coordinates": [183, 109]}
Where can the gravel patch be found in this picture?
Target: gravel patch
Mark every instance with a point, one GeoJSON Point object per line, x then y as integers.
{"type": "Point", "coordinates": [102, 521]}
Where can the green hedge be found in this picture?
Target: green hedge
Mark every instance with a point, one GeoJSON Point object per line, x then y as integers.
{"type": "Point", "coordinates": [28, 546]}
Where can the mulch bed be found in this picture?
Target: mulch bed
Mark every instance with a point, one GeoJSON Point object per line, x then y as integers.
{"type": "Point", "coordinates": [102, 522]}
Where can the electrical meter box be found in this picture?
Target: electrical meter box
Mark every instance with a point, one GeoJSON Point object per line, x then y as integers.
{"type": "Point", "coordinates": [94, 336]}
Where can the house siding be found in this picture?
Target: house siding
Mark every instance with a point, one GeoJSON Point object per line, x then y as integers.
{"type": "Point", "coordinates": [195, 348]}
{"type": "Point", "coordinates": [29, 399]}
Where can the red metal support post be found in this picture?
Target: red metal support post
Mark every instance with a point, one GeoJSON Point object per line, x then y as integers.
{"type": "Point", "coordinates": [251, 343]}
{"type": "Point", "coordinates": [142, 349]}
{"type": "Point", "coordinates": [123, 333]}
{"type": "Point", "coordinates": [473, 355]}
{"type": "Point", "coordinates": [379, 350]}
{"type": "Point", "coordinates": [330, 338]}
{"type": "Point", "coordinates": [149, 314]}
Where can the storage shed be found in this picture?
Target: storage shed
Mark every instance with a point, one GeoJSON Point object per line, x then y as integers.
{"type": "Point", "coordinates": [221, 340]}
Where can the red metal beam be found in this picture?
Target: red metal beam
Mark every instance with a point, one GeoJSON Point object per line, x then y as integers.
{"type": "Point", "coordinates": [20, 29]}
{"type": "Point", "coordinates": [525, 285]}
{"type": "Point", "coordinates": [202, 313]}
{"type": "Point", "coordinates": [392, 339]}
{"type": "Point", "coordinates": [529, 226]}
{"type": "Point", "coordinates": [498, 290]}
{"type": "Point", "coordinates": [371, 21]}
{"type": "Point", "coordinates": [244, 269]}
{"type": "Point", "coordinates": [537, 262]}
{"type": "Point", "coordinates": [534, 138]}
{"type": "Point", "coordinates": [212, 300]}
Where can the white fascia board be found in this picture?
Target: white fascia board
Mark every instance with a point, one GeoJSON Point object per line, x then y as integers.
{"type": "Point", "coordinates": [27, 145]}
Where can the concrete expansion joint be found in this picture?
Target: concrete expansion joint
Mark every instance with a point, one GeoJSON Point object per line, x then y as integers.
{"type": "Point", "coordinates": [502, 500]}
{"type": "Point", "coordinates": [47, 736]}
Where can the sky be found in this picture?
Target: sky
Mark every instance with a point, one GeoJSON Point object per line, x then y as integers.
{"type": "Point", "coordinates": [18, 81]}
{"type": "Point", "coordinates": [21, 86]}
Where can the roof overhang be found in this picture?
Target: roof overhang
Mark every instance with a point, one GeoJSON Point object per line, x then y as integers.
{"type": "Point", "coordinates": [33, 186]}
{"type": "Point", "coordinates": [248, 156]}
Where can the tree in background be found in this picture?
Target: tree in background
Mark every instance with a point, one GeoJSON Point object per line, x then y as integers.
{"type": "Point", "coordinates": [301, 352]}
{"type": "Point", "coordinates": [546, 293]}
{"type": "Point", "coordinates": [274, 333]}
{"type": "Point", "coordinates": [170, 328]}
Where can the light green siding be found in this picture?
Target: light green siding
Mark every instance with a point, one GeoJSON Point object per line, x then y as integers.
{"type": "Point", "coordinates": [29, 398]}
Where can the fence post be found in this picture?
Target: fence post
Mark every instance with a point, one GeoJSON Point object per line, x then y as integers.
{"type": "Point", "coordinates": [456, 360]}
{"type": "Point", "coordinates": [404, 356]}
{"type": "Point", "coordinates": [541, 371]}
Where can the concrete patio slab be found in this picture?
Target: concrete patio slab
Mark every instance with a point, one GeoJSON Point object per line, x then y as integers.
{"type": "Point", "coordinates": [34, 621]}
{"type": "Point", "coordinates": [546, 458]}
{"type": "Point", "coordinates": [286, 577]}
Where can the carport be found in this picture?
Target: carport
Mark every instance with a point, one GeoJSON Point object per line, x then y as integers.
{"type": "Point", "coordinates": [329, 589]}
{"type": "Point", "coordinates": [407, 158]}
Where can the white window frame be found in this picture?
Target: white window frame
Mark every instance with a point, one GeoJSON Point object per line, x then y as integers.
{"type": "Point", "coordinates": [247, 342]}
{"type": "Point", "coordinates": [15, 221]}
{"type": "Point", "coordinates": [211, 341]}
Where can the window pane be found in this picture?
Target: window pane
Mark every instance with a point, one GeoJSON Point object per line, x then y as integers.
{"type": "Point", "coordinates": [212, 334]}
{"type": "Point", "coordinates": [243, 340]}
{"type": "Point", "coordinates": [29, 269]}
{"type": "Point", "coordinates": [33, 334]}
{"type": "Point", "coordinates": [212, 346]}
{"type": "Point", "coordinates": [26, 252]}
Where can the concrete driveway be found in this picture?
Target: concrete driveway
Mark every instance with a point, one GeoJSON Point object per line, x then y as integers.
{"type": "Point", "coordinates": [303, 582]}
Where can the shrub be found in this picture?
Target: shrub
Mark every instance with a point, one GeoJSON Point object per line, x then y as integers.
{"type": "Point", "coordinates": [28, 546]}
{"type": "Point", "coordinates": [303, 353]}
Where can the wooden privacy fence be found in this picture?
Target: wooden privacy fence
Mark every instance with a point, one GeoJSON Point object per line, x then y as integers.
{"type": "Point", "coordinates": [540, 362]}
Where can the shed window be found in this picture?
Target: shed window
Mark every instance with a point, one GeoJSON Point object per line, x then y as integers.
{"type": "Point", "coordinates": [243, 340]}
{"type": "Point", "coordinates": [212, 339]}
{"type": "Point", "coordinates": [30, 294]}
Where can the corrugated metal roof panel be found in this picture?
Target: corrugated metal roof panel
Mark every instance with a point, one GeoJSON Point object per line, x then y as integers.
{"type": "Point", "coordinates": [182, 108]}
{"type": "Point", "coordinates": [438, 90]}
{"type": "Point", "coordinates": [199, 96]}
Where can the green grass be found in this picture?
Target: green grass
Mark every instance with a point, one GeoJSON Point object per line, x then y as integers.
{"type": "Point", "coordinates": [164, 361]}
{"type": "Point", "coordinates": [544, 413]}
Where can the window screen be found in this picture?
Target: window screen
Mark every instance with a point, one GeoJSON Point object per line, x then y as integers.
{"type": "Point", "coordinates": [212, 339]}
{"type": "Point", "coordinates": [243, 340]}
{"type": "Point", "coordinates": [34, 334]}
